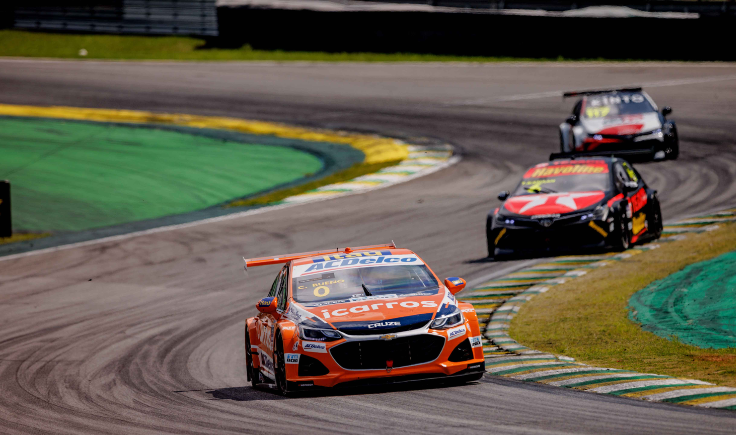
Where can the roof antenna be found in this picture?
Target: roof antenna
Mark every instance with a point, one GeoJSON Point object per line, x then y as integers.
{"type": "Point", "coordinates": [393, 243]}
{"type": "Point", "coordinates": [245, 266]}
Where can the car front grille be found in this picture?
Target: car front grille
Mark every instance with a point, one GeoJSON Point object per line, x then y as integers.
{"type": "Point", "coordinates": [375, 354]}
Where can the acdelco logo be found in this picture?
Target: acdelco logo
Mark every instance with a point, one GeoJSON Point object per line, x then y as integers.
{"type": "Point", "coordinates": [310, 346]}
{"type": "Point", "coordinates": [380, 324]}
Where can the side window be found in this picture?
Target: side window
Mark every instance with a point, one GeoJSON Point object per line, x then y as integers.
{"type": "Point", "coordinates": [576, 109]}
{"type": "Point", "coordinates": [633, 175]}
{"type": "Point", "coordinates": [275, 285]}
{"type": "Point", "coordinates": [620, 176]}
{"type": "Point", "coordinates": [283, 293]}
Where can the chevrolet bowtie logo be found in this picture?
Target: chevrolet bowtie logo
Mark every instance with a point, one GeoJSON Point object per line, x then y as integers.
{"type": "Point", "coordinates": [387, 337]}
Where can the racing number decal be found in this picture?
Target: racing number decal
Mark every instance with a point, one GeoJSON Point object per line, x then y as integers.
{"type": "Point", "coordinates": [597, 112]}
{"type": "Point", "coordinates": [321, 291]}
{"type": "Point", "coordinates": [639, 223]}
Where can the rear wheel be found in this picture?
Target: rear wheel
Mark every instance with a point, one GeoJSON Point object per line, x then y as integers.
{"type": "Point", "coordinates": [254, 376]}
{"type": "Point", "coordinates": [280, 368]}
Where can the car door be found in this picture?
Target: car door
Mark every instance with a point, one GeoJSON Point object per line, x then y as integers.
{"type": "Point", "coordinates": [265, 327]}
{"type": "Point", "coordinates": [636, 197]}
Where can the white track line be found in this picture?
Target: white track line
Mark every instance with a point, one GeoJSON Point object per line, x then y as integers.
{"type": "Point", "coordinates": [553, 94]}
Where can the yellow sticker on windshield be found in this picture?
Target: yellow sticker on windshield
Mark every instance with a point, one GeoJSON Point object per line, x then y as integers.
{"type": "Point", "coordinates": [597, 112]}
{"type": "Point", "coordinates": [630, 171]}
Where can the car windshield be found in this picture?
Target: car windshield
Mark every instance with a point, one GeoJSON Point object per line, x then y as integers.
{"type": "Point", "coordinates": [565, 176]}
{"type": "Point", "coordinates": [616, 104]}
{"type": "Point", "coordinates": [345, 284]}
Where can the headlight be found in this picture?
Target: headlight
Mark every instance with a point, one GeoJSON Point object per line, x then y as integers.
{"type": "Point", "coordinates": [656, 134]}
{"type": "Point", "coordinates": [600, 213]}
{"type": "Point", "coordinates": [312, 334]}
{"type": "Point", "coordinates": [449, 320]}
{"type": "Point", "coordinates": [501, 219]}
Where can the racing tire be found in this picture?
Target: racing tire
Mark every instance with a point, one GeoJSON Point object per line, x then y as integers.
{"type": "Point", "coordinates": [655, 224]}
{"type": "Point", "coordinates": [621, 233]}
{"type": "Point", "coordinates": [282, 386]}
{"type": "Point", "coordinates": [490, 241]}
{"type": "Point", "coordinates": [253, 376]}
{"type": "Point", "coordinates": [673, 150]}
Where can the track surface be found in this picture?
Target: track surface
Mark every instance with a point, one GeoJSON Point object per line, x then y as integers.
{"type": "Point", "coordinates": [145, 335]}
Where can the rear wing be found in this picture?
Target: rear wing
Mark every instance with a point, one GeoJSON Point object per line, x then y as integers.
{"type": "Point", "coordinates": [265, 261]}
{"type": "Point", "coordinates": [598, 91]}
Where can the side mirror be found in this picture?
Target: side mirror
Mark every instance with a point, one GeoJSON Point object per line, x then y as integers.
{"type": "Point", "coordinates": [455, 284]}
{"type": "Point", "coordinates": [503, 195]}
{"type": "Point", "coordinates": [631, 185]}
{"type": "Point", "coordinates": [267, 305]}
{"type": "Point", "coordinates": [572, 119]}
{"type": "Point", "coordinates": [666, 110]}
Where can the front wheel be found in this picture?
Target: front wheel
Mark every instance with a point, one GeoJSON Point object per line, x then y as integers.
{"type": "Point", "coordinates": [621, 237]}
{"type": "Point", "coordinates": [673, 149]}
{"type": "Point", "coordinates": [655, 222]}
{"type": "Point", "coordinates": [280, 368]}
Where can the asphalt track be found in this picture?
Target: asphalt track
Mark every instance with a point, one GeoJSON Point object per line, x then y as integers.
{"type": "Point", "coordinates": [144, 335]}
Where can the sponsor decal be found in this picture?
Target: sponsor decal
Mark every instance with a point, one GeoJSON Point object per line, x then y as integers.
{"type": "Point", "coordinates": [610, 100]}
{"type": "Point", "coordinates": [476, 341]}
{"type": "Point", "coordinates": [394, 260]}
{"type": "Point", "coordinates": [306, 384]}
{"type": "Point", "coordinates": [468, 310]}
{"type": "Point", "coordinates": [368, 298]}
{"type": "Point", "coordinates": [383, 324]}
{"type": "Point", "coordinates": [456, 332]}
{"type": "Point", "coordinates": [287, 328]}
{"type": "Point", "coordinates": [639, 200]}
{"type": "Point", "coordinates": [295, 346]}
{"type": "Point", "coordinates": [599, 167]}
{"type": "Point", "coordinates": [473, 366]}
{"type": "Point", "coordinates": [266, 362]}
{"type": "Point", "coordinates": [265, 336]}
{"type": "Point", "coordinates": [265, 302]}
{"type": "Point", "coordinates": [373, 307]}
{"type": "Point", "coordinates": [639, 223]}
{"type": "Point", "coordinates": [549, 215]}
{"type": "Point", "coordinates": [332, 257]}
{"type": "Point", "coordinates": [314, 346]}
{"type": "Point", "coordinates": [292, 358]}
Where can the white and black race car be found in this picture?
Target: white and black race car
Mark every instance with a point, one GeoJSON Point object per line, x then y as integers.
{"type": "Point", "coordinates": [621, 122]}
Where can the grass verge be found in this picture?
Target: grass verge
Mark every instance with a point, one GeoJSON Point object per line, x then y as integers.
{"type": "Point", "coordinates": [587, 318]}
{"type": "Point", "coordinates": [350, 173]}
{"type": "Point", "coordinates": [68, 46]}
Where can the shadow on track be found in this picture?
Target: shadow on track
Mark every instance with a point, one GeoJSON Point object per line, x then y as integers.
{"type": "Point", "coordinates": [247, 394]}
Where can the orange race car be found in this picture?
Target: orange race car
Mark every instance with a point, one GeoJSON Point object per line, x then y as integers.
{"type": "Point", "coordinates": [360, 316]}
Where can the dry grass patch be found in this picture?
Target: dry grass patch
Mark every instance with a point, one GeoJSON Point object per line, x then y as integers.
{"type": "Point", "coordinates": [587, 318]}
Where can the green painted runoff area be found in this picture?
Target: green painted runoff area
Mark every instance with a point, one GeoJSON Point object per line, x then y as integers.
{"type": "Point", "coordinates": [697, 305]}
{"type": "Point", "coordinates": [71, 176]}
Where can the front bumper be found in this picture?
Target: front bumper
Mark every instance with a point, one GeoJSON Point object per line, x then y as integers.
{"type": "Point", "coordinates": [534, 237]}
{"type": "Point", "coordinates": [439, 367]}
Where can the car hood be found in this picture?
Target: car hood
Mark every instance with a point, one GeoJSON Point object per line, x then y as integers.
{"type": "Point", "coordinates": [553, 203]}
{"type": "Point", "coordinates": [622, 125]}
{"type": "Point", "coordinates": [375, 313]}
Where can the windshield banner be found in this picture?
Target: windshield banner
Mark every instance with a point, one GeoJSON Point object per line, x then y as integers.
{"type": "Point", "coordinates": [357, 262]}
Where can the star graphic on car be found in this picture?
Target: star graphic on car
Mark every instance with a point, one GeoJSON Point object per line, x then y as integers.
{"type": "Point", "coordinates": [563, 199]}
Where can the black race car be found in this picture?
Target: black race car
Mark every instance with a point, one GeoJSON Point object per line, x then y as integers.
{"type": "Point", "coordinates": [621, 122]}
{"type": "Point", "coordinates": [568, 204]}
